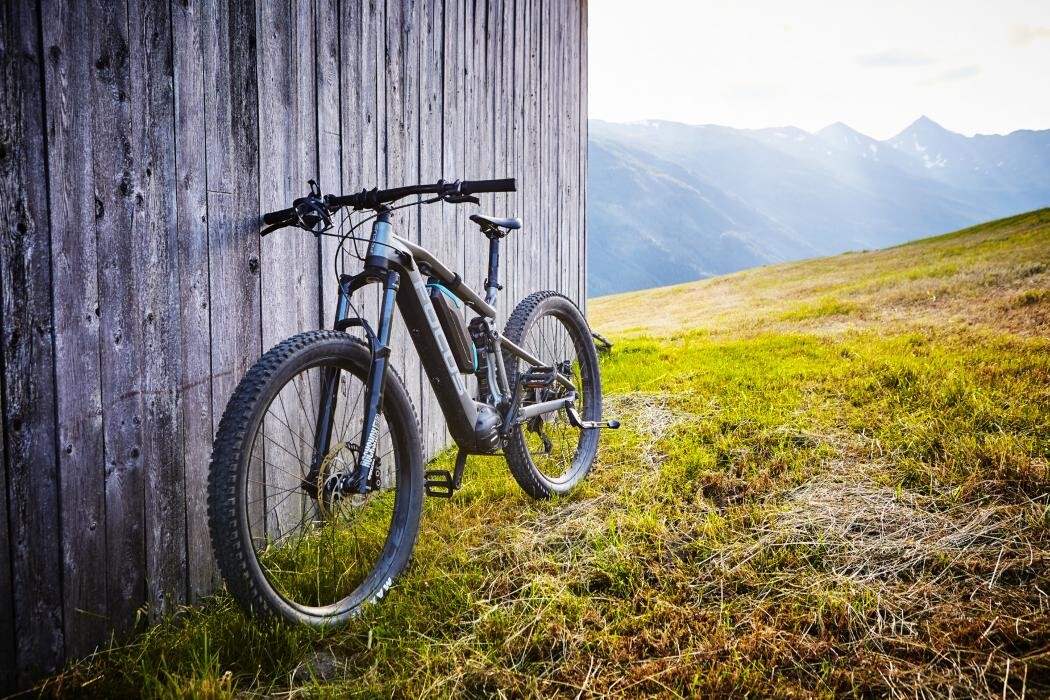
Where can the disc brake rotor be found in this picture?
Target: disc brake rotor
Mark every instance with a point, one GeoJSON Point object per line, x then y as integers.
{"type": "Point", "coordinates": [335, 479]}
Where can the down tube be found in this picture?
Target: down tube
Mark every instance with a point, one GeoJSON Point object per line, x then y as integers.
{"type": "Point", "coordinates": [459, 408]}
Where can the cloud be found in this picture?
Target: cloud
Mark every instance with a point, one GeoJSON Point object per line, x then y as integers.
{"type": "Point", "coordinates": [949, 76]}
{"type": "Point", "coordinates": [893, 58]}
{"type": "Point", "coordinates": [1025, 34]}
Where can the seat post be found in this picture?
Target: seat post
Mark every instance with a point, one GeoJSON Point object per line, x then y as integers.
{"type": "Point", "coordinates": [492, 284]}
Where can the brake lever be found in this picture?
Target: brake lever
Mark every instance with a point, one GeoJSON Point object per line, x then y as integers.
{"type": "Point", "coordinates": [312, 212]}
{"type": "Point", "coordinates": [461, 199]}
{"type": "Point", "coordinates": [270, 229]}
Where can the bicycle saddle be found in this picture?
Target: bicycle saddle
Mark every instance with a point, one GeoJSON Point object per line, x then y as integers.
{"type": "Point", "coordinates": [484, 221]}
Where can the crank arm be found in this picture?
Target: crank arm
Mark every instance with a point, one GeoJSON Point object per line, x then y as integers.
{"type": "Point", "coordinates": [538, 409]}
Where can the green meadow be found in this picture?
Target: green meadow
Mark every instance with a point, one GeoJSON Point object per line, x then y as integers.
{"type": "Point", "coordinates": [832, 479]}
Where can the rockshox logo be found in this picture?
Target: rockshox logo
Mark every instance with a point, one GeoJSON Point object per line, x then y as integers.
{"type": "Point", "coordinates": [370, 447]}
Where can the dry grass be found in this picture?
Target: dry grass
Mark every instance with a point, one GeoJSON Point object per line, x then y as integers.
{"type": "Point", "coordinates": [935, 601]}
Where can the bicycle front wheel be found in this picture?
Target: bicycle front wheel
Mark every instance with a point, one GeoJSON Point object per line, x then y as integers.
{"type": "Point", "coordinates": [288, 539]}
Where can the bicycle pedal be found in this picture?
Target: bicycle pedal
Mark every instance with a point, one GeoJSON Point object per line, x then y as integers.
{"type": "Point", "coordinates": [439, 483]}
{"type": "Point", "coordinates": [539, 377]}
{"type": "Point", "coordinates": [577, 421]}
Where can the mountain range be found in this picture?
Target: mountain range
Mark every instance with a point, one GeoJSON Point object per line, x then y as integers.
{"type": "Point", "coordinates": [670, 202]}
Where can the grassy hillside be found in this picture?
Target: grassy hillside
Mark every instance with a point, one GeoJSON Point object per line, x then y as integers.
{"type": "Point", "coordinates": [994, 277]}
{"type": "Point", "coordinates": [832, 479]}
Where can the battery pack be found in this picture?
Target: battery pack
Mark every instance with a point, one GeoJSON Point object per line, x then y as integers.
{"type": "Point", "coordinates": [455, 329]}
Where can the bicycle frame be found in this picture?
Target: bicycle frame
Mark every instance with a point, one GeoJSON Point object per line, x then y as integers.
{"type": "Point", "coordinates": [394, 263]}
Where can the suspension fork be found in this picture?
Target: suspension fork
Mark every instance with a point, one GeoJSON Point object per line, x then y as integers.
{"type": "Point", "coordinates": [376, 381]}
{"type": "Point", "coordinates": [374, 384]}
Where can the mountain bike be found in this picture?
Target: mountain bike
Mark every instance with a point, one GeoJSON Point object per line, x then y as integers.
{"type": "Point", "coordinates": [316, 483]}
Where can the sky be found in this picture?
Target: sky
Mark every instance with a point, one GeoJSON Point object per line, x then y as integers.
{"type": "Point", "coordinates": [973, 67]}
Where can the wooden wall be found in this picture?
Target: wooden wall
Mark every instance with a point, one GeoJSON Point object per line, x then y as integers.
{"type": "Point", "coordinates": [139, 142]}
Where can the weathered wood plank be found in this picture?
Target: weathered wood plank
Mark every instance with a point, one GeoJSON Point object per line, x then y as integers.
{"type": "Point", "coordinates": [287, 158]}
{"type": "Point", "coordinates": [514, 27]}
{"type": "Point", "coordinates": [191, 194]}
{"type": "Point", "coordinates": [572, 67]}
{"type": "Point", "coordinates": [511, 139]}
{"type": "Point", "coordinates": [30, 556]}
{"type": "Point", "coordinates": [493, 91]}
{"type": "Point", "coordinates": [547, 184]}
{"type": "Point", "coordinates": [456, 230]}
{"type": "Point", "coordinates": [431, 57]}
{"type": "Point", "coordinates": [67, 76]}
{"type": "Point", "coordinates": [510, 106]}
{"type": "Point", "coordinates": [232, 134]}
{"type": "Point", "coordinates": [288, 269]}
{"type": "Point", "coordinates": [559, 228]}
{"type": "Point", "coordinates": [539, 218]}
{"type": "Point", "coordinates": [567, 230]}
{"type": "Point", "coordinates": [553, 193]}
{"type": "Point", "coordinates": [474, 30]}
{"type": "Point", "coordinates": [566, 203]}
{"type": "Point", "coordinates": [120, 333]}
{"type": "Point", "coordinates": [7, 613]}
{"type": "Point", "coordinates": [408, 222]}
{"type": "Point", "coordinates": [582, 155]}
{"type": "Point", "coordinates": [329, 27]}
{"type": "Point", "coordinates": [231, 74]}
{"type": "Point", "coordinates": [361, 52]}
{"type": "Point", "coordinates": [522, 78]}
{"type": "Point", "coordinates": [376, 28]}
{"type": "Point", "coordinates": [400, 74]}
{"type": "Point", "coordinates": [487, 91]}
{"type": "Point", "coordinates": [527, 165]}
{"type": "Point", "coordinates": [582, 86]}
{"type": "Point", "coordinates": [543, 177]}
{"type": "Point", "coordinates": [157, 279]}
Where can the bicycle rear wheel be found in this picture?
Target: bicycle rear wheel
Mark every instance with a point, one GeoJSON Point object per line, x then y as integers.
{"type": "Point", "coordinates": [548, 455]}
{"type": "Point", "coordinates": [289, 539]}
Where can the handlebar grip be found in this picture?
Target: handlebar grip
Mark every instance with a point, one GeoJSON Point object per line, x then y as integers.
{"type": "Point", "coordinates": [280, 216]}
{"type": "Point", "coordinates": [473, 186]}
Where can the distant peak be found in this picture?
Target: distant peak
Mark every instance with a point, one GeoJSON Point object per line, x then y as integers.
{"type": "Point", "coordinates": [838, 128]}
{"type": "Point", "coordinates": [923, 125]}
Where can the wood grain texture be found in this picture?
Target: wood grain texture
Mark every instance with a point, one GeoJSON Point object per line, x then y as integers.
{"type": "Point", "coordinates": [31, 603]}
{"type": "Point", "coordinates": [73, 207]}
{"type": "Point", "coordinates": [140, 141]}
{"type": "Point", "coordinates": [430, 52]}
{"type": "Point", "coordinates": [121, 346]}
{"type": "Point", "coordinates": [581, 121]}
{"type": "Point", "coordinates": [232, 137]}
{"type": "Point", "coordinates": [156, 277]}
{"type": "Point", "coordinates": [329, 28]}
{"type": "Point", "coordinates": [7, 613]}
{"type": "Point", "coordinates": [191, 232]}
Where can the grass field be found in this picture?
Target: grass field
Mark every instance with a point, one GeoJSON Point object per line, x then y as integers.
{"type": "Point", "coordinates": [833, 479]}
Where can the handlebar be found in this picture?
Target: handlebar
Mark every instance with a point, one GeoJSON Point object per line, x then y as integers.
{"type": "Point", "coordinates": [458, 191]}
{"type": "Point", "coordinates": [372, 199]}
